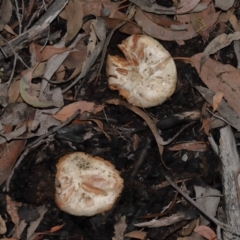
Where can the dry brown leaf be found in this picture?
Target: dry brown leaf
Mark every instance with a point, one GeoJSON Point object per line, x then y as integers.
{"type": "Point", "coordinates": [9, 29]}
{"type": "Point", "coordinates": [97, 7]}
{"type": "Point", "coordinates": [233, 20]}
{"type": "Point", "coordinates": [216, 100]}
{"type": "Point", "coordinates": [128, 28]}
{"type": "Point", "coordinates": [218, 43]}
{"type": "Point", "coordinates": [160, 32]}
{"type": "Point", "coordinates": [136, 234]}
{"type": "Point", "coordinates": [5, 13]}
{"type": "Point", "coordinates": [3, 228]}
{"type": "Point", "coordinates": [190, 146]}
{"type": "Point", "coordinates": [223, 4]}
{"type": "Point", "coordinates": [163, 20]}
{"type": "Point", "coordinates": [220, 78]}
{"type": "Point", "coordinates": [119, 228]}
{"type": "Point", "coordinates": [39, 70]}
{"type": "Point", "coordinates": [14, 88]}
{"type": "Point", "coordinates": [9, 158]}
{"type": "Point", "coordinates": [77, 57]}
{"type": "Point", "coordinates": [73, 13]}
{"type": "Point", "coordinates": [224, 109]}
{"type": "Point", "coordinates": [56, 228]}
{"type": "Point", "coordinates": [203, 21]}
{"type": "Point", "coordinates": [29, 93]}
{"type": "Point", "coordinates": [42, 54]}
{"type": "Point", "coordinates": [70, 109]}
{"type": "Point", "coordinates": [205, 126]}
{"type": "Point", "coordinates": [186, 6]}
{"type": "Point", "coordinates": [12, 209]}
{"type": "Point", "coordinates": [206, 232]}
{"type": "Point", "coordinates": [100, 126]}
{"type": "Point", "coordinates": [60, 74]}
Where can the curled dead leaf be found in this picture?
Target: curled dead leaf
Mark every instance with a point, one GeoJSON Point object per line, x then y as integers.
{"type": "Point", "coordinates": [70, 109]}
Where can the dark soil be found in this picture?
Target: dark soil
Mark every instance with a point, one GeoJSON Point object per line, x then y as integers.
{"type": "Point", "coordinates": [33, 181]}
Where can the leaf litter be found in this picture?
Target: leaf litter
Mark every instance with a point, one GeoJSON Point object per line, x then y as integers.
{"type": "Point", "coordinates": [58, 80]}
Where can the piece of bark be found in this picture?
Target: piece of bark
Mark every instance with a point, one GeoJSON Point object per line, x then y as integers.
{"type": "Point", "coordinates": [230, 171]}
{"type": "Point", "coordinates": [34, 32]}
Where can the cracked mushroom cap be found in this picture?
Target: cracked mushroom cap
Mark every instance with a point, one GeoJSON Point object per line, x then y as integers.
{"type": "Point", "coordinates": [147, 75]}
{"type": "Point", "coordinates": [86, 185]}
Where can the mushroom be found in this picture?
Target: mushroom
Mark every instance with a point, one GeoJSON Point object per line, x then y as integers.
{"type": "Point", "coordinates": [147, 75]}
{"type": "Point", "coordinates": [86, 185]}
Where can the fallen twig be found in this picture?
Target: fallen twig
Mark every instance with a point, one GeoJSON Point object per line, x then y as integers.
{"type": "Point", "coordinates": [36, 31]}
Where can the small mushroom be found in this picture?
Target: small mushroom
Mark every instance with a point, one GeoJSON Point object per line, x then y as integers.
{"type": "Point", "coordinates": [86, 185]}
{"type": "Point", "coordinates": [147, 75]}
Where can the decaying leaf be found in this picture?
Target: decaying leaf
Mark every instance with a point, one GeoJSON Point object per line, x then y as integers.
{"type": "Point", "coordinates": [120, 228]}
{"type": "Point", "coordinates": [190, 146]}
{"type": "Point", "coordinates": [3, 228]}
{"type": "Point", "coordinates": [136, 234]}
{"type": "Point", "coordinates": [166, 21]}
{"type": "Point", "coordinates": [70, 109]}
{"type": "Point", "coordinates": [217, 98]}
{"type": "Point", "coordinates": [233, 20]}
{"type": "Point", "coordinates": [186, 6]}
{"type": "Point", "coordinates": [5, 13]}
{"type": "Point", "coordinates": [9, 158]}
{"type": "Point", "coordinates": [9, 29]}
{"type": "Point", "coordinates": [220, 78]}
{"type": "Point", "coordinates": [226, 112]}
{"type": "Point", "coordinates": [224, 5]}
{"type": "Point", "coordinates": [27, 93]}
{"type": "Point", "coordinates": [43, 121]}
{"type": "Point", "coordinates": [55, 62]}
{"type": "Point", "coordinates": [100, 126]}
{"type": "Point", "coordinates": [12, 209]}
{"type": "Point", "coordinates": [42, 54]}
{"type": "Point", "coordinates": [98, 28]}
{"type": "Point", "coordinates": [206, 232]}
{"type": "Point", "coordinates": [218, 43]}
{"type": "Point", "coordinates": [128, 28]}
{"type": "Point", "coordinates": [208, 198]}
{"type": "Point", "coordinates": [73, 13]}
{"type": "Point", "coordinates": [77, 56]}
{"type": "Point", "coordinates": [203, 21]}
{"type": "Point", "coordinates": [99, 7]}
{"type": "Point", "coordinates": [160, 32]}
{"type": "Point", "coordinates": [3, 95]}
{"type": "Point", "coordinates": [33, 225]}
{"type": "Point", "coordinates": [15, 113]}
{"type": "Point", "coordinates": [205, 126]}
{"type": "Point", "coordinates": [152, 6]}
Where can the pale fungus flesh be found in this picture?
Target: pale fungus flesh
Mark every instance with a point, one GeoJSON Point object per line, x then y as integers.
{"type": "Point", "coordinates": [147, 76]}
{"type": "Point", "coordinates": [86, 185]}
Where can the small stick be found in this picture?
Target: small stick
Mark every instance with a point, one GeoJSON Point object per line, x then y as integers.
{"type": "Point", "coordinates": [141, 158]}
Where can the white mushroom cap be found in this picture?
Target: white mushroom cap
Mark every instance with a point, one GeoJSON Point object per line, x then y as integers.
{"type": "Point", "coordinates": [86, 185]}
{"type": "Point", "coordinates": [147, 75]}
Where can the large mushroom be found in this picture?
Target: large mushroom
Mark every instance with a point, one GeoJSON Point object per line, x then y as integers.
{"type": "Point", "coordinates": [86, 185]}
{"type": "Point", "coordinates": [147, 75]}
